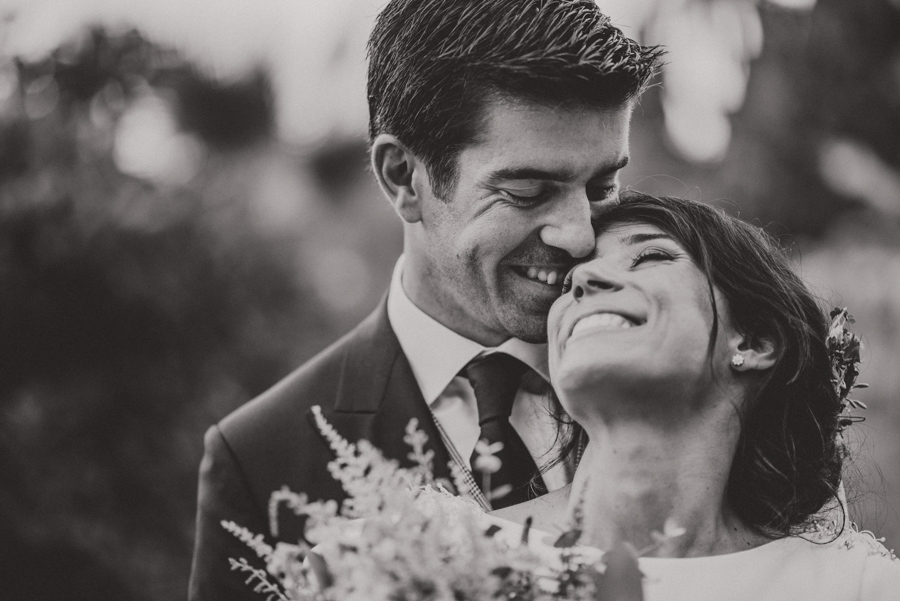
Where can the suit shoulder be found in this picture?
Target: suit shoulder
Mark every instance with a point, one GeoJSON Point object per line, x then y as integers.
{"type": "Point", "coordinates": [313, 383]}
{"type": "Point", "coordinates": [284, 406]}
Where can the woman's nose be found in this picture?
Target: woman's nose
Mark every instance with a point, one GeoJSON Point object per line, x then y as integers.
{"type": "Point", "coordinates": [594, 276]}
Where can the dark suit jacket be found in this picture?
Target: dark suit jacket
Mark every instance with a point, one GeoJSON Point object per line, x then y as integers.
{"type": "Point", "coordinates": [366, 390]}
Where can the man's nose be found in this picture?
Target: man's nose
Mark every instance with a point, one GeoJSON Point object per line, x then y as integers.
{"type": "Point", "coordinates": [593, 277]}
{"type": "Point", "coordinates": [569, 226]}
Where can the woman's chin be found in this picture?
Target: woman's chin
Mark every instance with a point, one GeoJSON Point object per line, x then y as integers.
{"type": "Point", "coordinates": [583, 387]}
{"type": "Point", "coordinates": [584, 375]}
{"type": "Point", "coordinates": [588, 389]}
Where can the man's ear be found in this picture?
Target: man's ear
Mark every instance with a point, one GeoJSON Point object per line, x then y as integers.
{"type": "Point", "coordinates": [395, 167]}
{"type": "Point", "coordinates": [757, 353]}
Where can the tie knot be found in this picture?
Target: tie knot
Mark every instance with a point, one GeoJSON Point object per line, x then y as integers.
{"type": "Point", "coordinates": [495, 379]}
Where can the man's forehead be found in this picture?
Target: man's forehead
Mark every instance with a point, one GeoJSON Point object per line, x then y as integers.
{"type": "Point", "coordinates": [520, 140]}
{"type": "Point", "coordinates": [502, 115]}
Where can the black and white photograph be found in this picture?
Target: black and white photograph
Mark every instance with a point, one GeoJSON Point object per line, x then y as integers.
{"type": "Point", "coordinates": [450, 300]}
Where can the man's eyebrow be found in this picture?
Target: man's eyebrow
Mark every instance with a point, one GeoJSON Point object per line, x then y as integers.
{"type": "Point", "coordinates": [528, 173]}
{"type": "Point", "coordinates": [613, 168]}
{"type": "Point", "coordinates": [563, 175]}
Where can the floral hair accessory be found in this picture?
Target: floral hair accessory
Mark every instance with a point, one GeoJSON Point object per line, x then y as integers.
{"type": "Point", "coordinates": [843, 348]}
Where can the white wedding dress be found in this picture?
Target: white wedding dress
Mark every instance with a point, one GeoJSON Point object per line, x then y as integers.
{"type": "Point", "coordinates": [853, 567]}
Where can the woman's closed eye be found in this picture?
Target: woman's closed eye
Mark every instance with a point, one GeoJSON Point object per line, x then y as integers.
{"type": "Point", "coordinates": [652, 254]}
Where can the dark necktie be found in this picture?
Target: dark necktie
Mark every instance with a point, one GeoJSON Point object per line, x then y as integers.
{"type": "Point", "coordinates": [496, 379]}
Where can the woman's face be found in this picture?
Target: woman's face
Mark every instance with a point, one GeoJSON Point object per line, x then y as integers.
{"type": "Point", "coordinates": [635, 323]}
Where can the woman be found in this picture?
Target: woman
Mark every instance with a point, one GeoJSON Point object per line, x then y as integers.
{"type": "Point", "coordinates": [694, 361]}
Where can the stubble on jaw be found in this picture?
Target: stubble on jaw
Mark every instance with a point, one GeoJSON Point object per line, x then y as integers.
{"type": "Point", "coordinates": [495, 304]}
{"type": "Point", "coordinates": [531, 329]}
{"type": "Point", "coordinates": [527, 325]}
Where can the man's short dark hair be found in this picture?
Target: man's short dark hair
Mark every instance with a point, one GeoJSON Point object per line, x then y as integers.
{"type": "Point", "coordinates": [433, 64]}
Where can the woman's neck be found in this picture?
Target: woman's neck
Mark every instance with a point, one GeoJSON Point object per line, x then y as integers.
{"type": "Point", "coordinates": [635, 475]}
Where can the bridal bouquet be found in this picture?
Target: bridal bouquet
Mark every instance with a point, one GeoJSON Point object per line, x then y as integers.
{"type": "Point", "coordinates": [402, 535]}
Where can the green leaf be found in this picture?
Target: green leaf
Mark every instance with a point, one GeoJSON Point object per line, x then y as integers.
{"type": "Point", "coordinates": [320, 569]}
{"type": "Point", "coordinates": [568, 539]}
{"type": "Point", "coordinates": [622, 580]}
{"type": "Point", "coordinates": [502, 571]}
{"type": "Point", "coordinates": [526, 529]}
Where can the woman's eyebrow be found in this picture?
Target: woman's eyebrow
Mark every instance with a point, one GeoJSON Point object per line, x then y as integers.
{"type": "Point", "coordinates": [640, 238]}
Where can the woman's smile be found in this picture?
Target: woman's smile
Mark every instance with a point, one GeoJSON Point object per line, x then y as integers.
{"type": "Point", "coordinates": [601, 321]}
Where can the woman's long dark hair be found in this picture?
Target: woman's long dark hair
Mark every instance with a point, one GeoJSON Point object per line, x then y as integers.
{"type": "Point", "coordinates": [789, 456]}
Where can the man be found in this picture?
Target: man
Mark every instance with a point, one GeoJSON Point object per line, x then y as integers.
{"type": "Point", "coordinates": [497, 130]}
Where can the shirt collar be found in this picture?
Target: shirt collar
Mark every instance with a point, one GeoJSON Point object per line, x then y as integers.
{"type": "Point", "coordinates": [436, 353]}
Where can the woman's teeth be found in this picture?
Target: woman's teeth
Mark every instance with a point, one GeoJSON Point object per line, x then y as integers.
{"type": "Point", "coordinates": [602, 321]}
{"type": "Point", "coordinates": [547, 276]}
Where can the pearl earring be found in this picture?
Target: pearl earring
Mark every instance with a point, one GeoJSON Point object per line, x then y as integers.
{"type": "Point", "coordinates": [737, 360]}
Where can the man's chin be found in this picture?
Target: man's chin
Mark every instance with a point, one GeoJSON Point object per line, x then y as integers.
{"type": "Point", "coordinates": [521, 305]}
{"type": "Point", "coordinates": [533, 339]}
{"type": "Point", "coordinates": [530, 328]}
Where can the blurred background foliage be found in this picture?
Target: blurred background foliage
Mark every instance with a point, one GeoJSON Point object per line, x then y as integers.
{"type": "Point", "coordinates": [186, 215]}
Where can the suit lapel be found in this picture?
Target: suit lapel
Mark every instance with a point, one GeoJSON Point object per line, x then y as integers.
{"type": "Point", "coordinates": [377, 395]}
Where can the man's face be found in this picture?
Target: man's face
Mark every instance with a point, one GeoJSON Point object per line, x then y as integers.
{"type": "Point", "coordinates": [488, 261]}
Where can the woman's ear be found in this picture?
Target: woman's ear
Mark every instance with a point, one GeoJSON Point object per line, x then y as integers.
{"type": "Point", "coordinates": [753, 353]}
{"type": "Point", "coordinates": [395, 166]}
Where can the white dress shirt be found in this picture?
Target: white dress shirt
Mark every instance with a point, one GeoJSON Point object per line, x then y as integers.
{"type": "Point", "coordinates": [437, 354]}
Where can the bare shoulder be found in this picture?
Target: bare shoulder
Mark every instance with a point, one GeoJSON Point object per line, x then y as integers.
{"type": "Point", "coordinates": [548, 513]}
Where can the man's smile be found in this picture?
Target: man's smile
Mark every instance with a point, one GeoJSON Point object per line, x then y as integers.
{"type": "Point", "coordinates": [551, 275]}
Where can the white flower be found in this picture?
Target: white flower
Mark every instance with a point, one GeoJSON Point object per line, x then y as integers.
{"type": "Point", "coordinates": [670, 530]}
{"type": "Point", "coordinates": [487, 462]}
{"type": "Point", "coordinates": [416, 541]}
{"type": "Point", "coordinates": [483, 448]}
